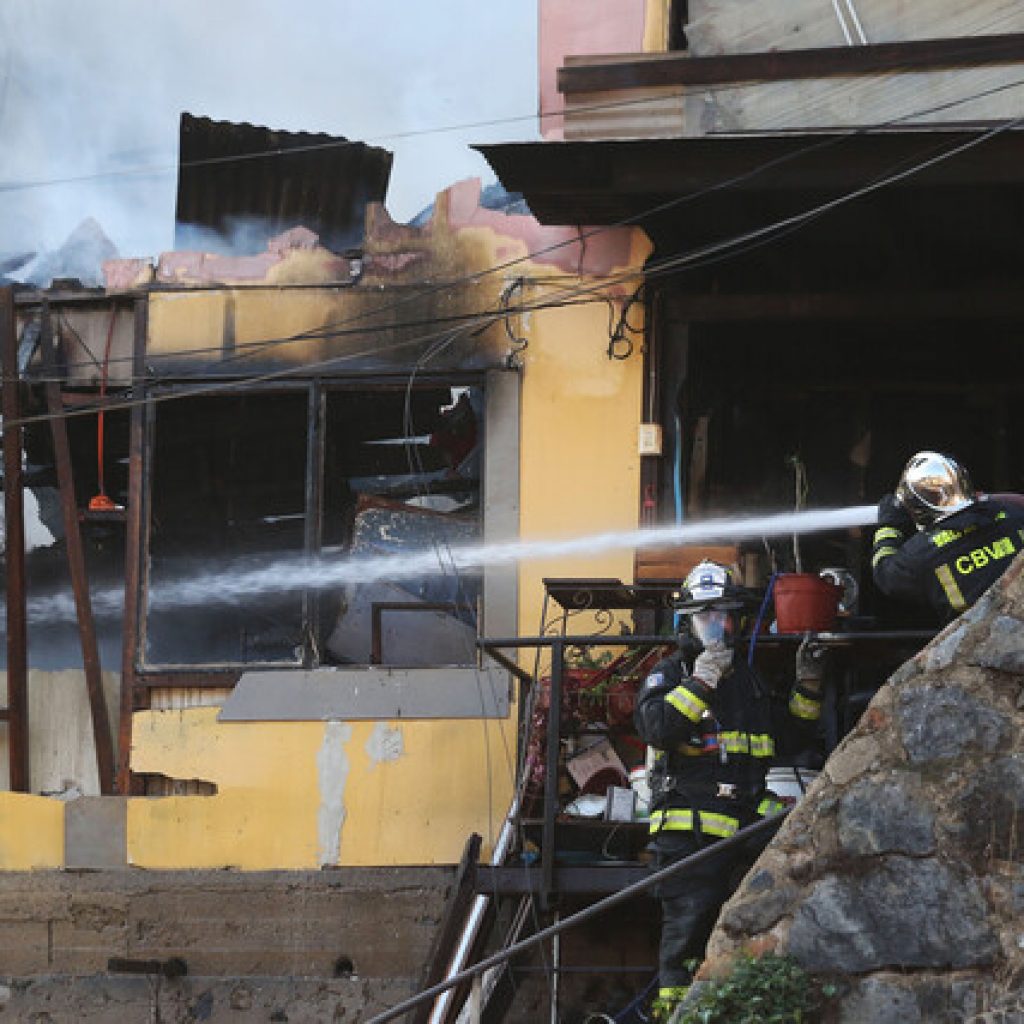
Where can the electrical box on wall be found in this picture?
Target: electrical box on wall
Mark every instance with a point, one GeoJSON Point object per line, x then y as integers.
{"type": "Point", "coordinates": [650, 439]}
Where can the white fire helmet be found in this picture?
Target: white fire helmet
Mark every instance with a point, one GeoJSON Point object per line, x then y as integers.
{"type": "Point", "coordinates": [709, 594]}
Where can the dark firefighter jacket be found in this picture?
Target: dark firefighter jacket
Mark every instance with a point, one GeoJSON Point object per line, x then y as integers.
{"type": "Point", "coordinates": [952, 564]}
{"type": "Point", "coordinates": [714, 792]}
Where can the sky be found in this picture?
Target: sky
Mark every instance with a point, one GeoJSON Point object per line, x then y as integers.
{"type": "Point", "coordinates": [87, 86]}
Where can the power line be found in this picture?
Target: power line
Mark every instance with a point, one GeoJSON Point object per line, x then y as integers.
{"type": "Point", "coordinates": [330, 330]}
{"type": "Point", "coordinates": [170, 168]}
{"type": "Point", "coordinates": [727, 248]}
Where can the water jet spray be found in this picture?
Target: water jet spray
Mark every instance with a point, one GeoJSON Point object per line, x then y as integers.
{"type": "Point", "coordinates": [301, 573]}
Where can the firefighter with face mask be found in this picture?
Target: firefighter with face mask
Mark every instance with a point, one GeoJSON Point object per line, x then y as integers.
{"type": "Point", "coordinates": [939, 542]}
{"type": "Point", "coordinates": [714, 730]}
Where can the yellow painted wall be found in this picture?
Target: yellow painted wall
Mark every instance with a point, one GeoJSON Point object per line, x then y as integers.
{"type": "Point", "coordinates": [302, 795]}
{"type": "Point", "coordinates": [31, 832]}
{"type": "Point", "coordinates": [580, 470]}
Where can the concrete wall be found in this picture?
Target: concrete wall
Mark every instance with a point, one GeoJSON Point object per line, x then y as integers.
{"type": "Point", "coordinates": [315, 946]}
{"type": "Point", "coordinates": [729, 26]}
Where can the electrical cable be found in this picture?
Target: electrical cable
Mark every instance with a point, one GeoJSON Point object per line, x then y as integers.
{"type": "Point", "coordinates": [727, 248]}
{"type": "Point", "coordinates": [174, 168]}
{"type": "Point", "coordinates": [651, 211]}
{"type": "Point", "coordinates": [330, 330]}
{"type": "Point", "coordinates": [416, 467]}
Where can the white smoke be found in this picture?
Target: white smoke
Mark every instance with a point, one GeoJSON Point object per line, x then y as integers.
{"type": "Point", "coordinates": [96, 87]}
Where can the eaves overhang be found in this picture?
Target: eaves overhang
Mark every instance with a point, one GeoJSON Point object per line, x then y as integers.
{"type": "Point", "coordinates": [637, 180]}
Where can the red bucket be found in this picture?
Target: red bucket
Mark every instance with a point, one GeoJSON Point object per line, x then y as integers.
{"type": "Point", "coordinates": [805, 603]}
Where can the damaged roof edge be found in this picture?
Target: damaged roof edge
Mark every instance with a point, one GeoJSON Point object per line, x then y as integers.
{"type": "Point", "coordinates": [230, 174]}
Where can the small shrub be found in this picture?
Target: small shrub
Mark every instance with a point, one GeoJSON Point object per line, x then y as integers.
{"type": "Point", "coordinates": [767, 990]}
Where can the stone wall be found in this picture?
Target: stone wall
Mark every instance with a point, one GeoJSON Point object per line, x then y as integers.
{"type": "Point", "coordinates": [901, 873]}
{"type": "Point", "coordinates": [261, 946]}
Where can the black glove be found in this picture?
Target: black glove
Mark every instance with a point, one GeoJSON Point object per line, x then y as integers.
{"type": "Point", "coordinates": [810, 662]}
{"type": "Point", "coordinates": [891, 512]}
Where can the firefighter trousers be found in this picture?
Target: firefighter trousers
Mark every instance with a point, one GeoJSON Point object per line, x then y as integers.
{"type": "Point", "coordinates": [690, 903]}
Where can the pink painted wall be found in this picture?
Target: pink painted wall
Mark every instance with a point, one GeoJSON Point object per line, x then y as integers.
{"type": "Point", "coordinates": [571, 27]}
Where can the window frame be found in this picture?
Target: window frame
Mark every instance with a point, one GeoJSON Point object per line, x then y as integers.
{"type": "Point", "coordinates": [318, 390]}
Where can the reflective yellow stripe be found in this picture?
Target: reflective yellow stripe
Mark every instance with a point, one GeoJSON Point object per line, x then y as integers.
{"type": "Point", "coordinates": [686, 703]}
{"type": "Point", "coordinates": [673, 993]}
{"type": "Point", "coordinates": [888, 533]}
{"type": "Point", "coordinates": [804, 707]}
{"type": "Point", "coordinates": [880, 554]}
{"type": "Point", "coordinates": [754, 744]}
{"type": "Point", "coordinates": [769, 806]}
{"type": "Point", "coordinates": [944, 537]}
{"type": "Point", "coordinates": [734, 742]}
{"type": "Point", "coordinates": [718, 824]}
{"type": "Point", "coordinates": [681, 820]}
{"type": "Point", "coordinates": [953, 595]}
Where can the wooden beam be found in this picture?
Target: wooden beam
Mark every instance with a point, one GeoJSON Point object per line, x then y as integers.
{"type": "Point", "coordinates": [133, 552]}
{"type": "Point", "coordinates": [667, 69]}
{"type": "Point", "coordinates": [192, 679]}
{"type": "Point", "coordinates": [14, 540]}
{"type": "Point", "coordinates": [102, 739]}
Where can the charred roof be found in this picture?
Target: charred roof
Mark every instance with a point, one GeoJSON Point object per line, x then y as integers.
{"type": "Point", "coordinates": [246, 183]}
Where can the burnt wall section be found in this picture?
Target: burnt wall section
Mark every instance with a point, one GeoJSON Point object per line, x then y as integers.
{"type": "Point", "coordinates": [902, 871]}
{"type": "Point", "coordinates": [306, 946]}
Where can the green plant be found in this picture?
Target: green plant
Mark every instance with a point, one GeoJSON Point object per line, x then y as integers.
{"type": "Point", "coordinates": [770, 989]}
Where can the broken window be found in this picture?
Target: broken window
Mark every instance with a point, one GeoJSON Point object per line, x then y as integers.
{"type": "Point", "coordinates": [267, 508]}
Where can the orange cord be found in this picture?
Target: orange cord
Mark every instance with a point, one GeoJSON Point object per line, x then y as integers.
{"type": "Point", "coordinates": [100, 502]}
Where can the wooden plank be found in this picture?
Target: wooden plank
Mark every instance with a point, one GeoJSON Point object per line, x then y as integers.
{"type": "Point", "coordinates": [102, 738]}
{"type": "Point", "coordinates": [645, 71]}
{"type": "Point", "coordinates": [133, 554]}
{"type": "Point", "coordinates": [194, 679]}
{"type": "Point", "coordinates": [673, 563]}
{"type": "Point", "coordinates": [14, 527]}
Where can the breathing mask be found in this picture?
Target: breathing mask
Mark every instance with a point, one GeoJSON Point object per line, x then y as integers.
{"type": "Point", "coordinates": [712, 626]}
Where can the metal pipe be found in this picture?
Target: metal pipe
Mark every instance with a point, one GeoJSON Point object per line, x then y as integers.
{"type": "Point", "coordinates": [842, 22]}
{"type": "Point", "coordinates": [554, 738]}
{"type": "Point", "coordinates": [472, 927]}
{"type": "Point", "coordinates": [856, 22]}
{"type": "Point", "coordinates": [556, 966]}
{"type": "Point", "coordinates": [14, 528]}
{"type": "Point", "coordinates": [622, 896]}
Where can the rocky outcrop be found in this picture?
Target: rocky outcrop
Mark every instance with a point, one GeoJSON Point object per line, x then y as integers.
{"type": "Point", "coordinates": [901, 873]}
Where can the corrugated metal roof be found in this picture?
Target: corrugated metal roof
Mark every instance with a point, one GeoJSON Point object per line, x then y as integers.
{"type": "Point", "coordinates": [321, 181]}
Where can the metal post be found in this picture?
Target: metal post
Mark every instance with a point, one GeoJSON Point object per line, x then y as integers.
{"type": "Point", "coordinates": [102, 739]}
{"type": "Point", "coordinates": [14, 527]}
{"type": "Point", "coordinates": [547, 848]}
{"type": "Point", "coordinates": [313, 538]}
{"type": "Point", "coordinates": [134, 526]}
{"type": "Point", "coordinates": [556, 969]}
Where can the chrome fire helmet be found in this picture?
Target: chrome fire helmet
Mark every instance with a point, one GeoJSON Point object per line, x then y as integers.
{"type": "Point", "coordinates": [710, 599]}
{"type": "Point", "coordinates": [933, 486]}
